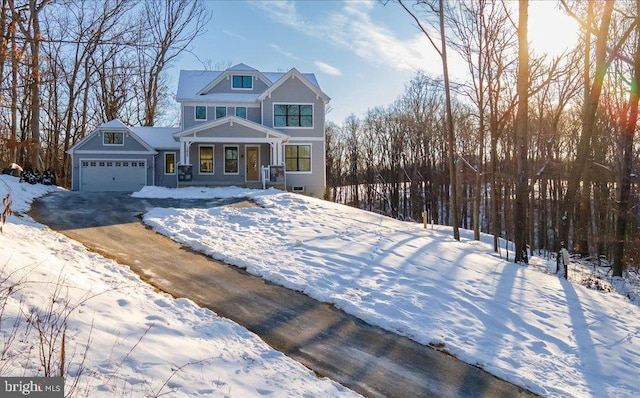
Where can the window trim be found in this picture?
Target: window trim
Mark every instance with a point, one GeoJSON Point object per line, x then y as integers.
{"type": "Point", "coordinates": [224, 166]}
{"type": "Point", "coordinates": [174, 163]}
{"type": "Point", "coordinates": [104, 136]}
{"type": "Point", "coordinates": [242, 87]}
{"type": "Point", "coordinates": [226, 111]}
{"type": "Point", "coordinates": [213, 159]}
{"type": "Point", "coordinates": [273, 115]}
{"type": "Point", "coordinates": [310, 145]}
{"type": "Point", "coordinates": [195, 112]}
{"type": "Point", "coordinates": [245, 112]}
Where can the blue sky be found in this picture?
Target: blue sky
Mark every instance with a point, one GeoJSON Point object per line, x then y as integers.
{"type": "Point", "coordinates": [363, 53]}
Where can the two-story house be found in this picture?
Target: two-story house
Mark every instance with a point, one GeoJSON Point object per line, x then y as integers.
{"type": "Point", "coordinates": [239, 127]}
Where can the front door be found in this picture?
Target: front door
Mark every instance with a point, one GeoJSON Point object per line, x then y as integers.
{"type": "Point", "coordinates": [252, 154]}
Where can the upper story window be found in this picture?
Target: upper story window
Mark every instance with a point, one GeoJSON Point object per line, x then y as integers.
{"type": "Point", "coordinates": [292, 115]}
{"type": "Point", "coordinates": [113, 138]}
{"type": "Point", "coordinates": [201, 113]}
{"type": "Point", "coordinates": [221, 111]}
{"type": "Point", "coordinates": [241, 111]}
{"type": "Point", "coordinates": [242, 82]}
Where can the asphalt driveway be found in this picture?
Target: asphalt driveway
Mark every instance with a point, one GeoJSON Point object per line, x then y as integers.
{"type": "Point", "coordinates": [365, 358]}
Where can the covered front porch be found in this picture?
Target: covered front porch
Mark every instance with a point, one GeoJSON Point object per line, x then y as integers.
{"type": "Point", "coordinates": [231, 151]}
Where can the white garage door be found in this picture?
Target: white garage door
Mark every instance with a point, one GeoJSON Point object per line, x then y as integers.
{"type": "Point", "coordinates": [109, 175]}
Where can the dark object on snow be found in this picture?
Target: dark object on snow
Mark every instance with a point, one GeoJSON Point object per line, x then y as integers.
{"type": "Point", "coordinates": [34, 177]}
{"type": "Point", "coordinates": [48, 177]}
{"type": "Point", "coordinates": [13, 170]}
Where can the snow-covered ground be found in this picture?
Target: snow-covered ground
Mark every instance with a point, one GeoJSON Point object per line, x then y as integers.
{"type": "Point", "coordinates": [520, 323]}
{"type": "Point", "coordinates": [122, 337]}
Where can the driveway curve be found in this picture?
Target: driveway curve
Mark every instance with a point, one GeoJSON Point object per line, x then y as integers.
{"type": "Point", "coordinates": [365, 358]}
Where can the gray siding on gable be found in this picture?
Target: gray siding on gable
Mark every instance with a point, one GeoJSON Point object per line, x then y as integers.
{"type": "Point", "coordinates": [224, 86]}
{"type": "Point", "coordinates": [94, 143]}
{"type": "Point", "coordinates": [226, 130]}
{"type": "Point", "coordinates": [293, 91]}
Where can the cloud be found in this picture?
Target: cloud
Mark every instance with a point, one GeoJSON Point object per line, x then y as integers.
{"type": "Point", "coordinates": [283, 52]}
{"type": "Point", "coordinates": [328, 69]}
{"type": "Point", "coordinates": [234, 35]}
{"type": "Point", "coordinates": [353, 29]}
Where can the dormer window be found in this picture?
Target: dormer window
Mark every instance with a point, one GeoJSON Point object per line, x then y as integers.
{"type": "Point", "coordinates": [242, 82]}
{"type": "Point", "coordinates": [113, 138]}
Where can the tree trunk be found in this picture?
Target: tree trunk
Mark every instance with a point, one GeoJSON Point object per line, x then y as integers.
{"type": "Point", "coordinates": [624, 192]}
{"type": "Point", "coordinates": [592, 98]}
{"type": "Point", "coordinates": [451, 137]}
{"type": "Point", "coordinates": [522, 138]}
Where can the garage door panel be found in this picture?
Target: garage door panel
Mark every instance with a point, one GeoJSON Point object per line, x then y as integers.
{"type": "Point", "coordinates": [101, 175]}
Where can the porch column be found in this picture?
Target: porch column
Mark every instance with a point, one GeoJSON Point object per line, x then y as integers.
{"type": "Point", "coordinates": [280, 153]}
{"type": "Point", "coordinates": [274, 152]}
{"type": "Point", "coordinates": [185, 145]}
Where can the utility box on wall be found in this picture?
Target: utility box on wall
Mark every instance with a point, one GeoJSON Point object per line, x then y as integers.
{"type": "Point", "coordinates": [276, 175]}
{"type": "Point", "coordinates": [185, 172]}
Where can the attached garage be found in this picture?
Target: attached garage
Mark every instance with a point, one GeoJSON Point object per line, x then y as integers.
{"type": "Point", "coordinates": [98, 175]}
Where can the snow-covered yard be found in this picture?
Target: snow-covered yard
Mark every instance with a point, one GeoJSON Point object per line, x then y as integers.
{"type": "Point", "coordinates": [122, 337]}
{"type": "Point", "coordinates": [556, 338]}
{"type": "Point", "coordinates": [520, 323]}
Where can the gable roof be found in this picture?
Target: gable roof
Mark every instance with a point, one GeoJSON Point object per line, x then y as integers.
{"type": "Point", "coordinates": [151, 138]}
{"type": "Point", "coordinates": [242, 67]}
{"type": "Point", "coordinates": [230, 120]}
{"type": "Point", "coordinates": [190, 82]}
{"type": "Point", "coordinates": [158, 137]}
{"type": "Point", "coordinates": [295, 74]}
{"type": "Point", "coordinates": [193, 84]}
{"type": "Point", "coordinates": [230, 71]}
{"type": "Point", "coordinates": [113, 124]}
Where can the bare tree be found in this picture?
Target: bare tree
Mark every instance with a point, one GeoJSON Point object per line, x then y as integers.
{"type": "Point", "coordinates": [167, 29]}
{"type": "Point", "coordinates": [30, 28]}
{"type": "Point", "coordinates": [522, 137]}
{"type": "Point", "coordinates": [629, 124]}
{"type": "Point", "coordinates": [441, 49]}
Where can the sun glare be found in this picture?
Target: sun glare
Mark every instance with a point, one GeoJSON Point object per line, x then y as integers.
{"type": "Point", "coordinates": [551, 31]}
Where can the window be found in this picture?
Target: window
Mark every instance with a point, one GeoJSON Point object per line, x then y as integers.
{"type": "Point", "coordinates": [297, 157]}
{"type": "Point", "coordinates": [231, 160]}
{"type": "Point", "coordinates": [221, 111]}
{"type": "Point", "coordinates": [170, 163]}
{"type": "Point", "coordinates": [201, 113]}
{"type": "Point", "coordinates": [206, 159]}
{"type": "Point", "coordinates": [292, 115]}
{"type": "Point", "coordinates": [245, 82]}
{"type": "Point", "coordinates": [113, 138]}
{"type": "Point", "coordinates": [241, 111]}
